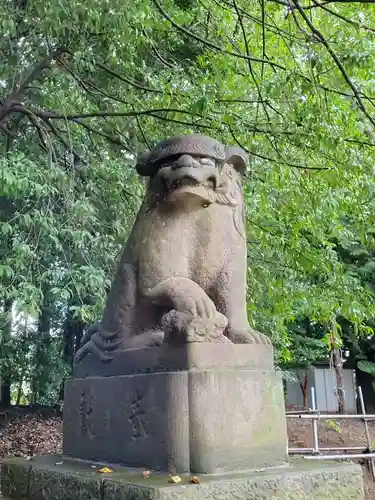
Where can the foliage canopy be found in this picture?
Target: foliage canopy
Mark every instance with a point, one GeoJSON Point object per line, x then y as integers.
{"type": "Point", "coordinates": [84, 86]}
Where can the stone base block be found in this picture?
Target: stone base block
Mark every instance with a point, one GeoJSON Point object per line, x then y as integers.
{"type": "Point", "coordinates": [57, 478]}
{"type": "Point", "coordinates": [194, 356]}
{"type": "Point", "coordinates": [207, 419]}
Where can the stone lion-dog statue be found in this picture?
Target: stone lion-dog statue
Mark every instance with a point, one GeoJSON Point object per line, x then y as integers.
{"type": "Point", "coordinates": [182, 273]}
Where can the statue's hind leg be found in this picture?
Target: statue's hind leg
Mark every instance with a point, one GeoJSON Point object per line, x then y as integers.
{"type": "Point", "coordinates": [230, 298]}
{"type": "Point", "coordinates": [118, 324]}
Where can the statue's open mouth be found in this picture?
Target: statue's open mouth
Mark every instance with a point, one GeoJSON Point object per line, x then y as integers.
{"type": "Point", "coordinates": [188, 181]}
{"type": "Point", "coordinates": [199, 193]}
{"type": "Point", "coordinates": [184, 181]}
{"type": "Point", "coordinates": [188, 187]}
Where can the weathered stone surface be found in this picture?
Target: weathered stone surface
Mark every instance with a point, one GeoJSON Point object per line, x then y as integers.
{"type": "Point", "coordinates": [47, 484]}
{"type": "Point", "coordinates": [72, 480]}
{"type": "Point", "coordinates": [160, 381]}
{"type": "Point", "coordinates": [182, 273]}
{"type": "Point", "coordinates": [138, 420]}
{"type": "Point", "coordinates": [41, 479]}
{"type": "Point", "coordinates": [195, 356]}
{"type": "Point", "coordinates": [223, 414]}
{"type": "Point", "coordinates": [14, 479]}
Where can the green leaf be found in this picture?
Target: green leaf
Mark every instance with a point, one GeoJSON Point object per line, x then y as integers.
{"type": "Point", "coordinates": [367, 367]}
{"type": "Point", "coordinates": [199, 106]}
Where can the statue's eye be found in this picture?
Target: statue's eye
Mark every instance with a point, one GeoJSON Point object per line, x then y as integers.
{"type": "Point", "coordinates": [207, 162]}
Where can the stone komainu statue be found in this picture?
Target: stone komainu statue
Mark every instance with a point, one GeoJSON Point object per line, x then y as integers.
{"type": "Point", "coordinates": [182, 273]}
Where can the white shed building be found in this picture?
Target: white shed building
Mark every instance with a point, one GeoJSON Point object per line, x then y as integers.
{"type": "Point", "coordinates": [323, 379]}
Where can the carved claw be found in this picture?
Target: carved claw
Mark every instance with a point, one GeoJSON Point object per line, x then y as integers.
{"type": "Point", "coordinates": [89, 333]}
{"type": "Point", "coordinates": [97, 328]}
{"type": "Point", "coordinates": [94, 343]}
{"type": "Point", "coordinates": [100, 347]}
{"type": "Point", "coordinates": [248, 336]}
{"type": "Point", "coordinates": [105, 345]}
{"type": "Point", "coordinates": [91, 348]}
{"type": "Point", "coordinates": [206, 308]}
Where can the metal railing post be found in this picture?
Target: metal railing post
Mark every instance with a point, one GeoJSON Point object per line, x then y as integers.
{"type": "Point", "coordinates": [363, 410]}
{"type": "Point", "coordinates": [314, 422]}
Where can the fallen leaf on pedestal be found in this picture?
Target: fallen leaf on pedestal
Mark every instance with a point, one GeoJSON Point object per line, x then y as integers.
{"type": "Point", "coordinates": [195, 480]}
{"type": "Point", "coordinates": [146, 474]}
{"type": "Point", "coordinates": [174, 479]}
{"type": "Point", "coordinates": [105, 470]}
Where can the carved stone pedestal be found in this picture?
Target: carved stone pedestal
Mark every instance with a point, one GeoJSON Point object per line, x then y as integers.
{"type": "Point", "coordinates": [209, 408]}
{"type": "Point", "coordinates": [202, 408]}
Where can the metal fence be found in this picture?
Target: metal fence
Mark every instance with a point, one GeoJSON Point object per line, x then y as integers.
{"type": "Point", "coordinates": [323, 379]}
{"type": "Point", "coordinates": [321, 453]}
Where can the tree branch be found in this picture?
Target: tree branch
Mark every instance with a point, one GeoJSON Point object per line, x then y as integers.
{"type": "Point", "coordinates": [286, 3]}
{"type": "Point", "coordinates": [30, 75]}
{"type": "Point", "coordinates": [180, 122]}
{"type": "Point", "coordinates": [158, 57]}
{"type": "Point", "coordinates": [126, 80]}
{"type": "Point", "coordinates": [343, 18]}
{"type": "Point", "coordinates": [100, 114]}
{"type": "Point", "coordinates": [247, 49]}
{"type": "Point", "coordinates": [347, 78]}
{"type": "Point", "coordinates": [61, 139]}
{"type": "Point", "coordinates": [210, 44]}
{"type": "Point", "coordinates": [273, 160]}
{"type": "Point", "coordinates": [274, 28]}
{"type": "Point", "coordinates": [111, 139]}
{"type": "Point", "coordinates": [45, 116]}
{"type": "Point", "coordinates": [41, 133]}
{"type": "Point", "coordinates": [35, 72]}
{"type": "Point", "coordinates": [7, 131]}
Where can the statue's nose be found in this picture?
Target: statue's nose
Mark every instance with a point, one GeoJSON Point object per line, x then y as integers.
{"type": "Point", "coordinates": [183, 161]}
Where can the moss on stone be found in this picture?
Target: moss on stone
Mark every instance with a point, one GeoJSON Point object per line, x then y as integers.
{"type": "Point", "coordinates": [42, 479]}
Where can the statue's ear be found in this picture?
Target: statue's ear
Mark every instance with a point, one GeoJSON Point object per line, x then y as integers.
{"type": "Point", "coordinates": [143, 165]}
{"type": "Point", "coordinates": [238, 158]}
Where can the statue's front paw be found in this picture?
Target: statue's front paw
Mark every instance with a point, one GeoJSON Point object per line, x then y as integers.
{"type": "Point", "coordinates": [247, 336]}
{"type": "Point", "coordinates": [195, 303]}
{"type": "Point", "coordinates": [180, 328]}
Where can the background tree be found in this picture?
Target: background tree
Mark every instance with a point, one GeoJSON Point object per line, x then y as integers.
{"type": "Point", "coordinates": [85, 86]}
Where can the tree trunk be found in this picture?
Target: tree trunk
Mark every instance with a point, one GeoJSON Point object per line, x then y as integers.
{"type": "Point", "coordinates": [5, 377]}
{"type": "Point", "coordinates": [338, 365]}
{"type": "Point", "coordinates": [42, 362]}
{"type": "Point", "coordinates": [19, 391]}
{"type": "Point", "coordinates": [303, 385]}
{"type": "Point", "coordinates": [6, 394]}
{"type": "Point", "coordinates": [73, 332]}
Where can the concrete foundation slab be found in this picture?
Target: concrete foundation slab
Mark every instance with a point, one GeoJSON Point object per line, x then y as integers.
{"type": "Point", "coordinates": [58, 478]}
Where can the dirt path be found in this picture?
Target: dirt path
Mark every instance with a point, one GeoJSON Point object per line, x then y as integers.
{"type": "Point", "coordinates": [334, 434]}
